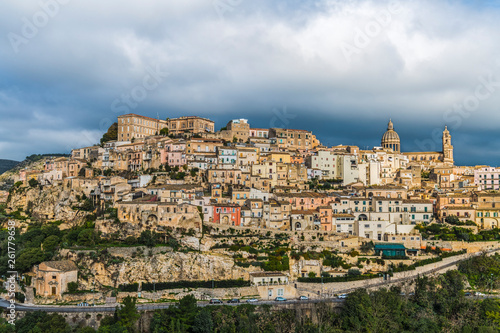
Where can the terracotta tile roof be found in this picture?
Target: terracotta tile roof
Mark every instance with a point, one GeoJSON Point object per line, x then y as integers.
{"type": "Point", "coordinates": [62, 265]}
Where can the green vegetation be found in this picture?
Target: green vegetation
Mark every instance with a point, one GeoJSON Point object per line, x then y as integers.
{"type": "Point", "coordinates": [42, 241]}
{"type": "Point", "coordinates": [184, 284]}
{"type": "Point", "coordinates": [33, 182]}
{"type": "Point", "coordinates": [324, 184]}
{"type": "Point", "coordinates": [111, 134]}
{"type": "Point", "coordinates": [440, 231]}
{"type": "Point", "coordinates": [483, 271]}
{"type": "Point", "coordinates": [452, 219]}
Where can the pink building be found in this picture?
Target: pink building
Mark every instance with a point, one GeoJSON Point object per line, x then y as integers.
{"type": "Point", "coordinates": [174, 154]}
{"type": "Point", "coordinates": [487, 178]}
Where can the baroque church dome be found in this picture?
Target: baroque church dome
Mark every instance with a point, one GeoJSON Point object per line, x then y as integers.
{"type": "Point", "coordinates": [390, 139]}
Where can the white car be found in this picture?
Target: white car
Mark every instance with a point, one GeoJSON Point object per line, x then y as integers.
{"type": "Point", "coordinates": [342, 296]}
{"type": "Point", "coordinates": [252, 300]}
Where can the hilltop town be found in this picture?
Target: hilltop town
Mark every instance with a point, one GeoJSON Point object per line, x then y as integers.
{"type": "Point", "coordinates": [162, 205]}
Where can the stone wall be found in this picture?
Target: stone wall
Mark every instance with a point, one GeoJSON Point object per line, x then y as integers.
{"type": "Point", "coordinates": [315, 289]}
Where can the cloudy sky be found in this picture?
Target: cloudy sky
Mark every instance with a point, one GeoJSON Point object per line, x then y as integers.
{"type": "Point", "coordinates": [68, 68]}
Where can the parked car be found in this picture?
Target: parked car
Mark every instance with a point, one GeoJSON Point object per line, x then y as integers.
{"type": "Point", "coordinates": [342, 296]}
{"type": "Point", "coordinates": [303, 298]}
{"type": "Point", "coordinates": [234, 300]}
{"type": "Point", "coordinates": [280, 299]}
{"type": "Point", "coordinates": [215, 301]}
{"type": "Point", "coordinates": [468, 294]}
{"type": "Point", "coordinates": [252, 300]}
{"type": "Point", "coordinates": [479, 294]}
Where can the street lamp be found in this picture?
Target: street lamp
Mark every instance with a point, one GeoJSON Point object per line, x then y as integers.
{"type": "Point", "coordinates": [321, 296]}
{"type": "Point", "coordinates": [93, 293]}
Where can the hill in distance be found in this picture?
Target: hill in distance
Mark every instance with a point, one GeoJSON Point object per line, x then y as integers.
{"type": "Point", "coordinates": [7, 165]}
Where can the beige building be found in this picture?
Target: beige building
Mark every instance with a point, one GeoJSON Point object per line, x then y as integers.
{"type": "Point", "coordinates": [135, 126]}
{"type": "Point", "coordinates": [52, 277]}
{"type": "Point", "coordinates": [390, 140]}
{"type": "Point", "coordinates": [198, 145]}
{"type": "Point", "coordinates": [155, 215]}
{"type": "Point", "coordinates": [293, 138]}
{"type": "Point", "coordinates": [190, 124]}
{"type": "Point", "coordinates": [237, 130]}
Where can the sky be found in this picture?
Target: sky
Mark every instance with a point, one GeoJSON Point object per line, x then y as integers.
{"type": "Point", "coordinates": [340, 68]}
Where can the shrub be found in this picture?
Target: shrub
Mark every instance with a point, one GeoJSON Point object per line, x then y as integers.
{"type": "Point", "coordinates": [72, 287]}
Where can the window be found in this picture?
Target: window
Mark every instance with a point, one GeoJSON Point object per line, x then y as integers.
{"type": "Point", "coordinates": [280, 292]}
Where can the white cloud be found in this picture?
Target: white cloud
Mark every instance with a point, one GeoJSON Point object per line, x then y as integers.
{"type": "Point", "coordinates": [415, 64]}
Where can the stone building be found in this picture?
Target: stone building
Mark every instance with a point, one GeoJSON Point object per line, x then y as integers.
{"type": "Point", "coordinates": [51, 278]}
{"type": "Point", "coordinates": [135, 126]}
{"type": "Point", "coordinates": [293, 138]}
{"type": "Point", "coordinates": [190, 124]}
{"type": "Point", "coordinates": [236, 130]}
{"type": "Point", "coordinates": [148, 214]}
{"type": "Point", "coordinates": [390, 140]}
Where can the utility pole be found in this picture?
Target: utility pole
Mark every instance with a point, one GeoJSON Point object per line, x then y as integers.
{"type": "Point", "coordinates": [93, 293]}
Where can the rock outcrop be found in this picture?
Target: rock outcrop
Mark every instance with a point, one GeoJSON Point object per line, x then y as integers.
{"type": "Point", "coordinates": [146, 266]}
{"type": "Point", "coordinates": [50, 203]}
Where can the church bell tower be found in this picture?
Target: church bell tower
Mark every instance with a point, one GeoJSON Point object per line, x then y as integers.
{"type": "Point", "coordinates": [447, 147]}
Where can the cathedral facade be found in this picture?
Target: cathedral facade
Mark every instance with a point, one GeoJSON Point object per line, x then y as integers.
{"type": "Point", "coordinates": [391, 141]}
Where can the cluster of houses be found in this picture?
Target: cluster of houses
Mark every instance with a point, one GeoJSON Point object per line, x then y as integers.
{"type": "Point", "coordinates": [277, 179]}
{"type": "Point", "coordinates": [273, 178]}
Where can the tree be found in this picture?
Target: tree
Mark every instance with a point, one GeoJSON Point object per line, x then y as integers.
{"type": "Point", "coordinates": [111, 134]}
{"type": "Point", "coordinates": [203, 322]}
{"type": "Point", "coordinates": [33, 182]}
{"type": "Point", "coordinates": [452, 219]}
{"type": "Point", "coordinates": [148, 238]}
{"type": "Point", "coordinates": [86, 237]}
{"type": "Point", "coordinates": [127, 314]}
{"type": "Point", "coordinates": [41, 322]}
{"type": "Point", "coordinates": [51, 243]}
{"type": "Point", "coordinates": [164, 131]}
{"type": "Point", "coordinates": [130, 240]}
{"type": "Point", "coordinates": [28, 258]}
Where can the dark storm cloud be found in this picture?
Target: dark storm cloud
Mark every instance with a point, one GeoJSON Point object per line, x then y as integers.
{"type": "Point", "coordinates": [339, 68]}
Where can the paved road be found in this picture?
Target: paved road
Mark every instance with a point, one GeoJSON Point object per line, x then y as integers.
{"type": "Point", "coordinates": [143, 307]}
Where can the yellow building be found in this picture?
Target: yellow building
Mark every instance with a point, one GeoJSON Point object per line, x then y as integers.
{"type": "Point", "coordinates": [52, 277]}
{"type": "Point", "coordinates": [282, 157]}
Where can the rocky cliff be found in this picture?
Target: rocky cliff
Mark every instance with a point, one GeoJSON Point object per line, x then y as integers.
{"type": "Point", "coordinates": [52, 203]}
{"type": "Point", "coordinates": [128, 265]}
